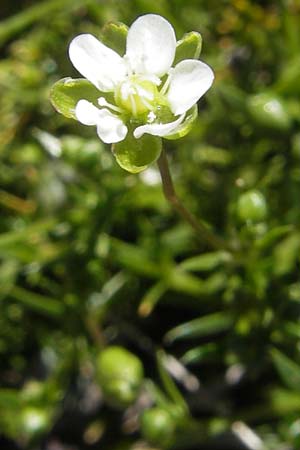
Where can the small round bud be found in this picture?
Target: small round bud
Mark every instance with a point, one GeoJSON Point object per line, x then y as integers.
{"type": "Point", "coordinates": [120, 374]}
{"type": "Point", "coordinates": [157, 426]}
{"type": "Point", "coordinates": [269, 111]}
{"type": "Point", "coordinates": [252, 207]}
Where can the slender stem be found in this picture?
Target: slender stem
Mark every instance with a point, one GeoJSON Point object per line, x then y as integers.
{"type": "Point", "coordinates": [95, 332]}
{"type": "Point", "coordinates": [202, 231]}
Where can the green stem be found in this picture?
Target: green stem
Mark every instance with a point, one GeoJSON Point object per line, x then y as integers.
{"type": "Point", "coordinates": [169, 191]}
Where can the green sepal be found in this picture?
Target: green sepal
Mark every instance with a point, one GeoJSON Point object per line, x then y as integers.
{"type": "Point", "coordinates": [114, 35]}
{"type": "Point", "coordinates": [135, 155]}
{"type": "Point", "coordinates": [66, 92]}
{"type": "Point", "coordinates": [186, 125]}
{"type": "Point", "coordinates": [189, 47]}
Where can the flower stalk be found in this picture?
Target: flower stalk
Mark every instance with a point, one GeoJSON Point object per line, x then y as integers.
{"type": "Point", "coordinates": [170, 194]}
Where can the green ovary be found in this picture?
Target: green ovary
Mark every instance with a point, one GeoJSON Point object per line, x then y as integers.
{"type": "Point", "coordinates": [136, 95]}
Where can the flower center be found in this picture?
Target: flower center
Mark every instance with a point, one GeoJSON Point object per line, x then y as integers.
{"type": "Point", "coordinates": [136, 94]}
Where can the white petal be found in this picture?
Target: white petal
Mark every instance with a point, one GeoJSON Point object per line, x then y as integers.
{"type": "Point", "coordinates": [86, 113]}
{"type": "Point", "coordinates": [110, 128]}
{"type": "Point", "coordinates": [101, 65]}
{"type": "Point", "coordinates": [151, 45]}
{"type": "Point", "coordinates": [190, 79]}
{"type": "Point", "coordinates": [158, 129]}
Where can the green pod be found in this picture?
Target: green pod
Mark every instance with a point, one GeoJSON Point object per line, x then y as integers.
{"type": "Point", "coordinates": [269, 111]}
{"type": "Point", "coordinates": [120, 375]}
{"type": "Point", "coordinates": [252, 207]}
{"type": "Point", "coordinates": [158, 426]}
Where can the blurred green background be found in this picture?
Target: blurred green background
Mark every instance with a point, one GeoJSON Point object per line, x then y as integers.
{"type": "Point", "coordinates": [93, 261]}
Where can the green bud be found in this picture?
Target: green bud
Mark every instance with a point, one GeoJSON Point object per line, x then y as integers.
{"type": "Point", "coordinates": [120, 374]}
{"type": "Point", "coordinates": [157, 426]}
{"type": "Point", "coordinates": [252, 207]}
{"type": "Point", "coordinates": [269, 111]}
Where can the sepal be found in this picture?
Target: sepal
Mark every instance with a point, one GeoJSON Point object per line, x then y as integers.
{"type": "Point", "coordinates": [135, 155]}
{"type": "Point", "coordinates": [114, 35]}
{"type": "Point", "coordinates": [186, 126]}
{"type": "Point", "coordinates": [66, 93]}
{"type": "Point", "coordinates": [189, 47]}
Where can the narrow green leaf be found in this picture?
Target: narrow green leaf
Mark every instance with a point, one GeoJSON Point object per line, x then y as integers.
{"type": "Point", "coordinates": [287, 369]}
{"type": "Point", "coordinates": [284, 402]}
{"type": "Point", "coordinates": [189, 47]}
{"type": "Point", "coordinates": [206, 262]}
{"type": "Point", "coordinates": [134, 258]}
{"type": "Point", "coordinates": [185, 282]}
{"type": "Point", "coordinates": [288, 80]}
{"type": "Point", "coordinates": [66, 93]}
{"type": "Point", "coordinates": [8, 274]}
{"type": "Point", "coordinates": [286, 254]}
{"type": "Point", "coordinates": [151, 298]}
{"type": "Point", "coordinates": [215, 156]}
{"type": "Point", "coordinates": [291, 328]}
{"type": "Point", "coordinates": [273, 235]}
{"type": "Point", "coordinates": [168, 383]}
{"type": "Point", "coordinates": [203, 326]}
{"type": "Point", "coordinates": [37, 302]}
{"type": "Point", "coordinates": [198, 354]}
{"type": "Point", "coordinates": [114, 35]}
{"type": "Point", "coordinates": [26, 234]}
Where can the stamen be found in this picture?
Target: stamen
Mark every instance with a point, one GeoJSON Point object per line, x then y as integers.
{"type": "Point", "coordinates": [103, 102]}
{"type": "Point", "coordinates": [133, 105]}
{"type": "Point", "coordinates": [146, 103]}
{"type": "Point", "coordinates": [152, 78]}
{"type": "Point", "coordinates": [144, 93]}
{"type": "Point", "coordinates": [167, 83]}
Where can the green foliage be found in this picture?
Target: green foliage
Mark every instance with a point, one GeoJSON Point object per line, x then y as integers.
{"type": "Point", "coordinates": [93, 259]}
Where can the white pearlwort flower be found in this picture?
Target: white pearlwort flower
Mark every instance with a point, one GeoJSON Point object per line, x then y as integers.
{"type": "Point", "coordinates": [136, 81]}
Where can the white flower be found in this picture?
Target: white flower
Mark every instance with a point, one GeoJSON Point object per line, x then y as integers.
{"type": "Point", "coordinates": [135, 81]}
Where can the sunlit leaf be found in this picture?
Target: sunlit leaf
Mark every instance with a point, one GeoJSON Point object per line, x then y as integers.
{"type": "Point", "coordinates": [203, 326]}
{"type": "Point", "coordinates": [288, 370]}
